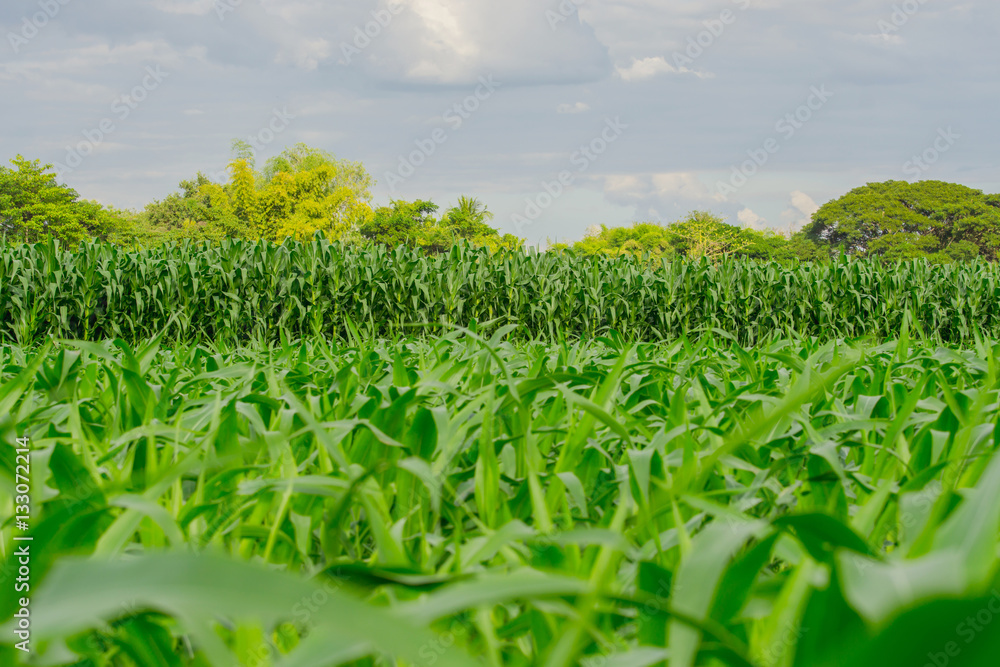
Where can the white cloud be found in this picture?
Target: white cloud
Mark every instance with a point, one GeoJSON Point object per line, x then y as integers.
{"type": "Point", "coordinates": [750, 219]}
{"type": "Point", "coordinates": [801, 211]}
{"type": "Point", "coordinates": [650, 67]}
{"type": "Point", "coordinates": [579, 107]}
{"type": "Point", "coordinates": [454, 42]}
{"type": "Point", "coordinates": [658, 196]}
{"type": "Point", "coordinates": [306, 53]}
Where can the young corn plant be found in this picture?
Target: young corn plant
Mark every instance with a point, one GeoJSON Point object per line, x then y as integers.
{"type": "Point", "coordinates": [475, 498]}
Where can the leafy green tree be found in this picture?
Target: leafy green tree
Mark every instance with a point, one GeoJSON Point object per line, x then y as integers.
{"type": "Point", "coordinates": [467, 219]}
{"type": "Point", "coordinates": [199, 212]}
{"type": "Point", "coordinates": [305, 190]}
{"type": "Point", "coordinates": [299, 193]}
{"type": "Point", "coordinates": [400, 223]}
{"type": "Point", "coordinates": [639, 239]}
{"type": "Point", "coordinates": [465, 222]}
{"type": "Point", "coordinates": [34, 206]}
{"type": "Point", "coordinates": [699, 234]}
{"type": "Point", "coordinates": [805, 249]}
{"type": "Point", "coordinates": [900, 220]}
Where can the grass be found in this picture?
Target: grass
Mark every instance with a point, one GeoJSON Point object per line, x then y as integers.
{"type": "Point", "coordinates": [454, 500]}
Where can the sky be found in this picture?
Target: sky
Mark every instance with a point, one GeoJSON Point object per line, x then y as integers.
{"type": "Point", "coordinates": [559, 115]}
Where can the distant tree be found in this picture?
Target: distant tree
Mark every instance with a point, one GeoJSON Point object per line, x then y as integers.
{"type": "Point", "coordinates": [699, 234]}
{"type": "Point", "coordinates": [299, 193]}
{"type": "Point", "coordinates": [34, 206]}
{"type": "Point", "coordinates": [467, 219]}
{"type": "Point", "coordinates": [641, 238]}
{"type": "Point", "coordinates": [305, 190]}
{"type": "Point", "coordinates": [400, 223]}
{"type": "Point", "coordinates": [805, 249]}
{"type": "Point", "coordinates": [899, 220]}
{"type": "Point", "coordinates": [704, 234]}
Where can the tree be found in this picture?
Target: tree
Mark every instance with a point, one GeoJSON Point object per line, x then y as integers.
{"type": "Point", "coordinates": [899, 220]}
{"type": "Point", "coordinates": [400, 223]}
{"type": "Point", "coordinates": [34, 206]}
{"type": "Point", "coordinates": [305, 190]}
{"type": "Point", "coordinates": [299, 193]}
{"type": "Point", "coordinates": [467, 219]}
{"type": "Point", "coordinates": [640, 239]}
{"type": "Point", "coordinates": [702, 234]}
{"type": "Point", "coordinates": [465, 222]}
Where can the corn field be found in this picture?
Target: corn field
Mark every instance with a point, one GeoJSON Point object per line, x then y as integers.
{"type": "Point", "coordinates": [469, 501]}
{"type": "Point", "coordinates": [241, 291]}
{"type": "Point", "coordinates": [311, 455]}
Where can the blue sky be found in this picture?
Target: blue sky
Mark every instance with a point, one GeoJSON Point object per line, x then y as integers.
{"type": "Point", "coordinates": [558, 114]}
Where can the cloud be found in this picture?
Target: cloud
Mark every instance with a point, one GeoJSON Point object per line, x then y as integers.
{"type": "Point", "coordinates": [579, 107]}
{"type": "Point", "coordinates": [306, 53]}
{"type": "Point", "coordinates": [454, 42]}
{"type": "Point", "coordinates": [650, 67]}
{"type": "Point", "coordinates": [879, 39]}
{"type": "Point", "coordinates": [197, 7]}
{"type": "Point", "coordinates": [686, 128]}
{"type": "Point", "coordinates": [801, 211]}
{"type": "Point", "coordinates": [658, 196]}
{"type": "Point", "coordinates": [750, 219]}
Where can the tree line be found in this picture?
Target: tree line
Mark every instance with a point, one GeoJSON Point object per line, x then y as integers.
{"type": "Point", "coordinates": [304, 192]}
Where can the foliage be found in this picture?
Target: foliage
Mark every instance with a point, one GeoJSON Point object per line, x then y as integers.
{"type": "Point", "coordinates": [400, 223]}
{"type": "Point", "coordinates": [700, 234]}
{"type": "Point", "coordinates": [458, 502]}
{"type": "Point", "coordinates": [298, 194]}
{"type": "Point", "coordinates": [201, 212]}
{"type": "Point", "coordinates": [900, 220]}
{"type": "Point", "coordinates": [237, 290]}
{"type": "Point", "coordinates": [34, 206]}
{"type": "Point", "coordinates": [413, 224]}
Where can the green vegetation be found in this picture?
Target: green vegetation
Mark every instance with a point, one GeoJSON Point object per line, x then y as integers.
{"type": "Point", "coordinates": [424, 503]}
{"type": "Point", "coordinates": [271, 424]}
{"type": "Point", "coordinates": [237, 291]}
{"type": "Point", "coordinates": [700, 234]}
{"type": "Point", "coordinates": [298, 194]}
{"type": "Point", "coordinates": [899, 220]}
{"type": "Point", "coordinates": [304, 192]}
{"type": "Point", "coordinates": [34, 207]}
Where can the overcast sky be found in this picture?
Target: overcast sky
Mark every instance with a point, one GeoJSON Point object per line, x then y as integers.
{"type": "Point", "coordinates": [558, 115]}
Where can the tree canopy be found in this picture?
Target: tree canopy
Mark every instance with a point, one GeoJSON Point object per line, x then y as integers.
{"type": "Point", "coordinates": [900, 220]}
{"type": "Point", "coordinates": [304, 191]}
{"type": "Point", "coordinates": [34, 206]}
{"type": "Point", "coordinates": [698, 234]}
{"type": "Point", "coordinates": [298, 193]}
{"type": "Point", "coordinates": [413, 223]}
